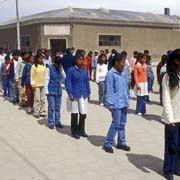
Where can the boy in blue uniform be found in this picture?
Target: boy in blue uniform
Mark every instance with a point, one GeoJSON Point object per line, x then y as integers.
{"type": "Point", "coordinates": [117, 101]}
{"type": "Point", "coordinates": [53, 90]}
{"type": "Point", "coordinates": [78, 89]}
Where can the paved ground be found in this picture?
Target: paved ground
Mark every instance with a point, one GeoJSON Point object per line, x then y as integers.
{"type": "Point", "coordinates": [29, 150]}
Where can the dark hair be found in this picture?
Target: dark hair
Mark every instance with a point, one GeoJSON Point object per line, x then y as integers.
{"type": "Point", "coordinates": [80, 51]}
{"type": "Point", "coordinates": [172, 68]}
{"type": "Point", "coordinates": [140, 56]}
{"type": "Point", "coordinates": [36, 59]}
{"type": "Point", "coordinates": [164, 59]}
{"type": "Point", "coordinates": [58, 60]}
{"type": "Point", "coordinates": [100, 59]}
{"type": "Point", "coordinates": [90, 53]}
{"type": "Point", "coordinates": [29, 57]}
{"type": "Point", "coordinates": [124, 54]}
{"type": "Point", "coordinates": [117, 57]}
{"type": "Point", "coordinates": [23, 53]}
{"type": "Point", "coordinates": [7, 58]}
{"type": "Point", "coordinates": [146, 51]}
{"type": "Point", "coordinates": [135, 52]}
{"type": "Point", "coordinates": [78, 55]}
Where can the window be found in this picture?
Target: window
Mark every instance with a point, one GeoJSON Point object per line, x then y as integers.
{"type": "Point", "coordinates": [25, 41]}
{"type": "Point", "coordinates": [109, 40]}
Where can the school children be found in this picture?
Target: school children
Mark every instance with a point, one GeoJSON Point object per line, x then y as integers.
{"type": "Point", "coordinates": [37, 82]}
{"type": "Point", "coordinates": [117, 101]}
{"type": "Point", "coordinates": [78, 90]}
{"type": "Point", "coordinates": [5, 76]}
{"type": "Point", "coordinates": [141, 85]}
{"type": "Point", "coordinates": [53, 91]}
{"type": "Point", "coordinates": [101, 71]}
{"type": "Point", "coordinates": [171, 115]}
{"type": "Point", "coordinates": [26, 84]}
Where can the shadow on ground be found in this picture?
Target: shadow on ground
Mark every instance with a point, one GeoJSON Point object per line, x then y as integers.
{"type": "Point", "coordinates": [146, 163]}
{"type": "Point", "coordinates": [96, 140]}
{"type": "Point", "coordinates": [65, 130]}
{"type": "Point", "coordinates": [95, 102]}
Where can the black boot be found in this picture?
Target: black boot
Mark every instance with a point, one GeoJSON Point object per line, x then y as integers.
{"type": "Point", "coordinates": [82, 125]}
{"type": "Point", "coordinates": [74, 126]}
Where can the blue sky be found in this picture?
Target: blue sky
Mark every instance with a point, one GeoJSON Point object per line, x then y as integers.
{"type": "Point", "coordinates": [28, 7]}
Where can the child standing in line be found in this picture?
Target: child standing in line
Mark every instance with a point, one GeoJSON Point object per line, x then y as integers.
{"type": "Point", "coordinates": [78, 89]}
{"type": "Point", "coordinates": [117, 101]}
{"type": "Point", "coordinates": [5, 76]}
{"type": "Point", "coordinates": [150, 75]}
{"type": "Point", "coordinates": [141, 86]}
{"type": "Point", "coordinates": [37, 82]}
{"type": "Point", "coordinates": [25, 82]}
{"type": "Point", "coordinates": [53, 90]}
{"type": "Point", "coordinates": [171, 115]}
{"type": "Point", "coordinates": [101, 71]}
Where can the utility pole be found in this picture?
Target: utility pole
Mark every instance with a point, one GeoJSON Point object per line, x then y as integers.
{"type": "Point", "coordinates": [18, 26]}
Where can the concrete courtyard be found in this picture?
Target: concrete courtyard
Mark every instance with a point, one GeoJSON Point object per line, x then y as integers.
{"type": "Point", "coordinates": [29, 150]}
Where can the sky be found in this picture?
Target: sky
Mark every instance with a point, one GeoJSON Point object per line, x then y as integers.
{"type": "Point", "coordinates": [29, 7]}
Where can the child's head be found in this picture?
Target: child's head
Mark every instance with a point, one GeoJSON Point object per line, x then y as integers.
{"type": "Point", "coordinates": [148, 59]}
{"type": "Point", "coordinates": [102, 59]}
{"type": "Point", "coordinates": [124, 54]}
{"type": "Point", "coordinates": [38, 59]}
{"type": "Point", "coordinates": [173, 67]}
{"type": "Point", "coordinates": [146, 52]}
{"type": "Point", "coordinates": [58, 61]}
{"type": "Point", "coordinates": [135, 54]}
{"type": "Point", "coordinates": [15, 55]}
{"type": "Point", "coordinates": [79, 60]}
{"type": "Point", "coordinates": [141, 58]}
{"type": "Point", "coordinates": [90, 53]}
{"type": "Point", "coordinates": [118, 62]}
{"type": "Point", "coordinates": [25, 55]}
{"type": "Point", "coordinates": [164, 59]}
{"type": "Point", "coordinates": [7, 59]}
{"type": "Point", "coordinates": [31, 59]}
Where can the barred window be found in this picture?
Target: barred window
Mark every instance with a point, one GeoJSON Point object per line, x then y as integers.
{"type": "Point", "coordinates": [109, 40]}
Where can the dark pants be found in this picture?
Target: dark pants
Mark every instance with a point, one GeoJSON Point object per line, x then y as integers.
{"type": "Point", "coordinates": [6, 87]}
{"type": "Point", "coordinates": [141, 104]}
{"type": "Point", "coordinates": [132, 80]}
{"type": "Point", "coordinates": [14, 91]}
{"type": "Point", "coordinates": [101, 86]}
{"type": "Point", "coordinates": [30, 96]}
{"type": "Point", "coordinates": [172, 149]}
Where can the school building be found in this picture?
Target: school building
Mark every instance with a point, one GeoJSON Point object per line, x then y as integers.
{"type": "Point", "coordinates": [92, 29]}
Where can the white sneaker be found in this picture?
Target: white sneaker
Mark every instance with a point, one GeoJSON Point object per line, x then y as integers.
{"type": "Point", "coordinates": [139, 114]}
{"type": "Point", "coordinates": [101, 104]}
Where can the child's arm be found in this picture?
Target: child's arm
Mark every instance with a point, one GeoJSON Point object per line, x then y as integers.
{"type": "Point", "coordinates": [32, 76]}
{"type": "Point", "coordinates": [68, 83]}
{"type": "Point", "coordinates": [168, 110]}
{"type": "Point", "coordinates": [46, 81]}
{"type": "Point", "coordinates": [109, 91]}
{"type": "Point", "coordinates": [24, 76]}
{"type": "Point", "coordinates": [136, 76]}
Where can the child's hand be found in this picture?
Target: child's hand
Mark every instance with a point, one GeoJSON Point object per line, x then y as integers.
{"type": "Point", "coordinates": [110, 109]}
{"type": "Point", "coordinates": [173, 124]}
{"type": "Point", "coordinates": [88, 98]}
{"type": "Point", "coordinates": [71, 98]}
{"type": "Point", "coordinates": [138, 88]}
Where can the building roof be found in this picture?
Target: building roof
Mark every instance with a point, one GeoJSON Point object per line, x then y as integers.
{"type": "Point", "coordinates": [99, 15]}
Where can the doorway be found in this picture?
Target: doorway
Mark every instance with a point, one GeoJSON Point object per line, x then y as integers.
{"type": "Point", "coordinates": [57, 44]}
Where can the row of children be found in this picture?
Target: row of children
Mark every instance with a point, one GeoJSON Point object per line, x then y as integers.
{"type": "Point", "coordinates": [42, 80]}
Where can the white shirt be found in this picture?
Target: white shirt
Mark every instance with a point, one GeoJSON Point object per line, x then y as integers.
{"type": "Point", "coordinates": [2, 59]}
{"type": "Point", "coordinates": [101, 71]}
{"type": "Point", "coordinates": [171, 105]}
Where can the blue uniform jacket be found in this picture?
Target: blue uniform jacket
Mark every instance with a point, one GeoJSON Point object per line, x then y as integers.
{"type": "Point", "coordinates": [117, 90]}
{"type": "Point", "coordinates": [26, 75]}
{"type": "Point", "coordinates": [77, 82]}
